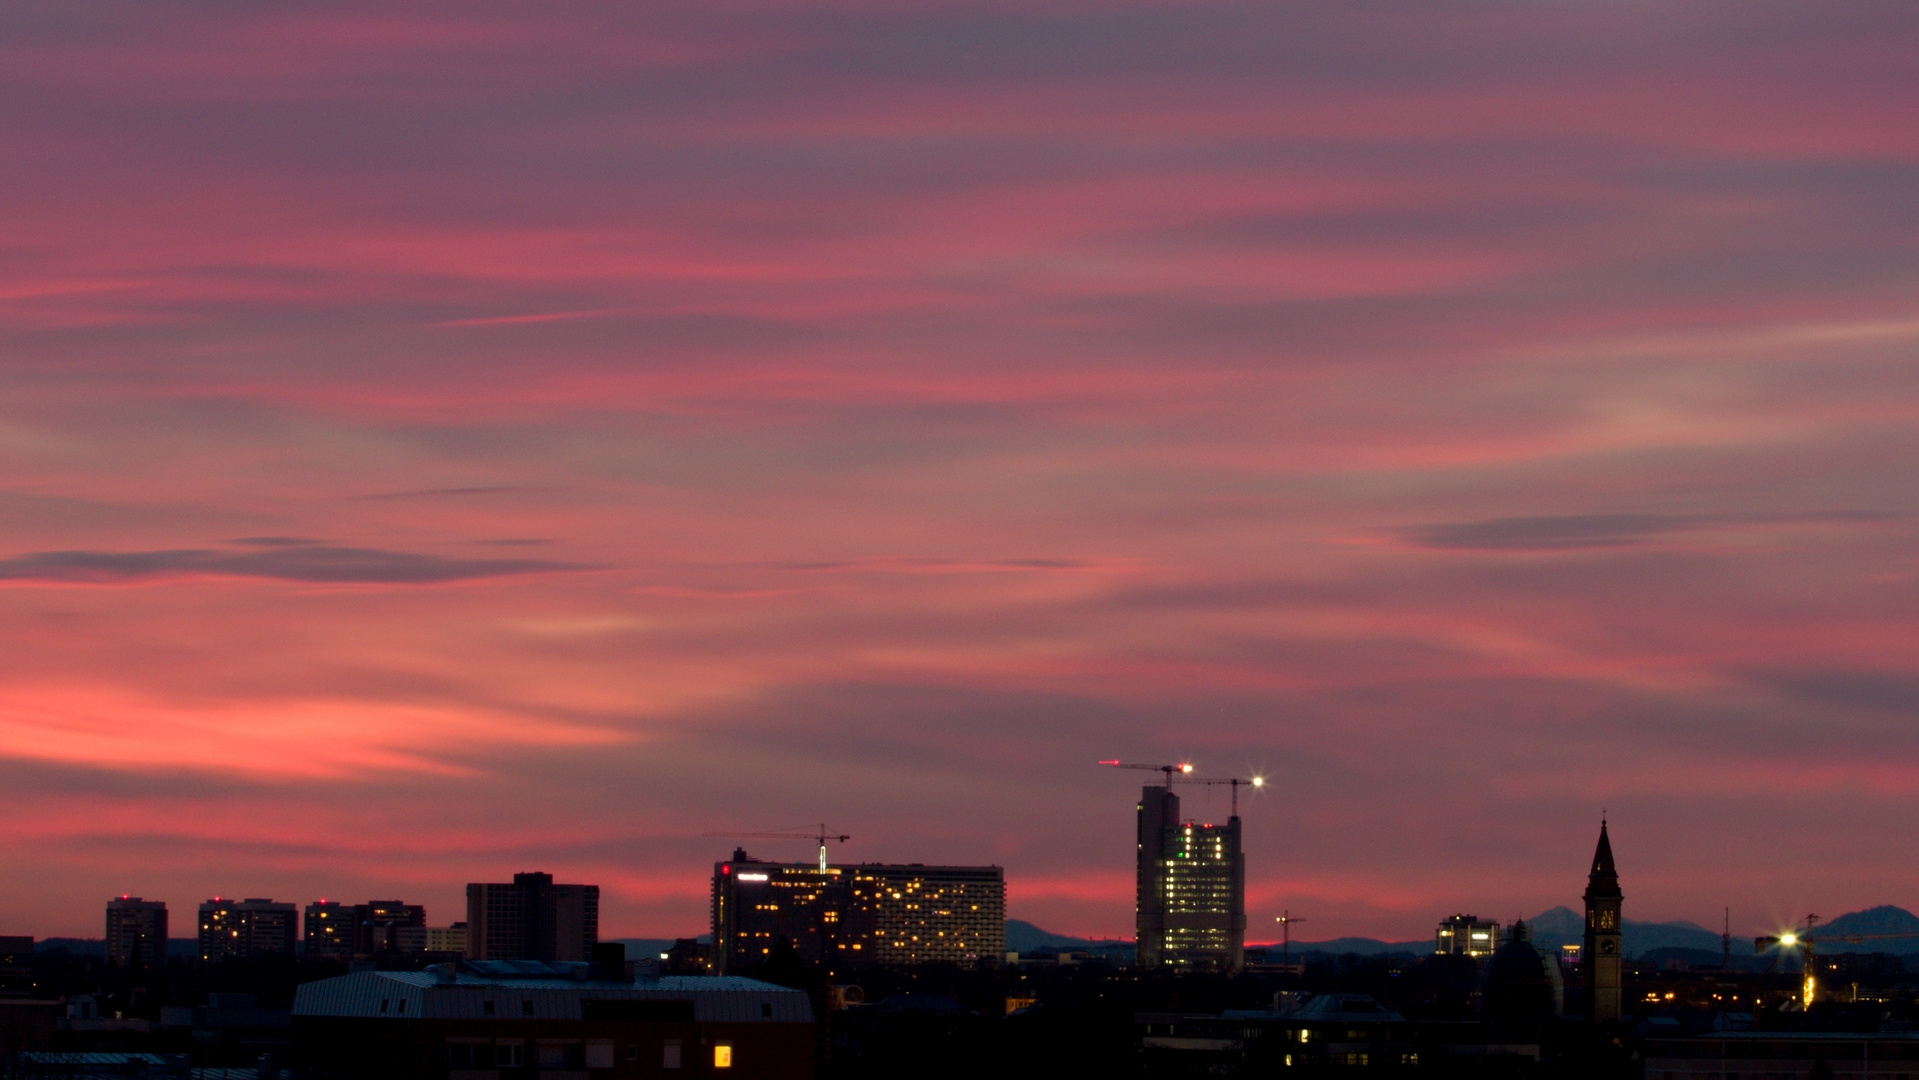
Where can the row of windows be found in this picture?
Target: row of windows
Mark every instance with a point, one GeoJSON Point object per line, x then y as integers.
{"type": "Point", "coordinates": [570, 1053]}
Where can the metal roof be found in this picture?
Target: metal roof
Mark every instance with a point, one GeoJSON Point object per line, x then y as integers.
{"type": "Point", "coordinates": [412, 995]}
{"type": "Point", "coordinates": [65, 1057]}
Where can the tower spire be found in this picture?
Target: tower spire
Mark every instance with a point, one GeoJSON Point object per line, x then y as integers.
{"type": "Point", "coordinates": [1601, 956]}
{"type": "Point", "coordinates": [1603, 879]}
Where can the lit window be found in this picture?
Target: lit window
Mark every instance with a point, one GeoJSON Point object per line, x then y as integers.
{"type": "Point", "coordinates": [722, 1055]}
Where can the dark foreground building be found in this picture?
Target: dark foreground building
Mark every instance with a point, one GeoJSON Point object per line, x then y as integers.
{"type": "Point", "coordinates": [1784, 1055]}
{"type": "Point", "coordinates": [1338, 1034]}
{"type": "Point", "coordinates": [508, 1020]}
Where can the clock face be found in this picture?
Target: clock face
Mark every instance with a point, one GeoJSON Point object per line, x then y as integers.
{"type": "Point", "coordinates": [1608, 946]}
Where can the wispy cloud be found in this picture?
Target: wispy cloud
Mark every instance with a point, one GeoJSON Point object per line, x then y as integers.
{"type": "Point", "coordinates": [1579, 532]}
{"type": "Point", "coordinates": [317, 563]}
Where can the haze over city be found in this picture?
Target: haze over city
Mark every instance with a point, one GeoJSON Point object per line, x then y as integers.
{"type": "Point", "coordinates": [438, 443]}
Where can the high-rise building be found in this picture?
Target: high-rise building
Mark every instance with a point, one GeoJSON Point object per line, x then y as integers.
{"type": "Point", "coordinates": [1466, 935]}
{"type": "Point", "coordinates": [887, 914]}
{"type": "Point", "coordinates": [532, 919]}
{"type": "Point", "coordinates": [1191, 889]}
{"type": "Point", "coordinates": [332, 930]}
{"type": "Point", "coordinates": [136, 932]}
{"type": "Point", "coordinates": [374, 928]}
{"type": "Point", "coordinates": [1599, 959]}
{"type": "Point", "coordinates": [381, 922]}
{"type": "Point", "coordinates": [244, 929]}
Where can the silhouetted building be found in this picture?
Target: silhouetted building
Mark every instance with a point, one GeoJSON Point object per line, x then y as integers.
{"type": "Point", "coordinates": [1785, 1055]}
{"type": "Point", "coordinates": [1466, 935]}
{"type": "Point", "coordinates": [1191, 881]}
{"type": "Point", "coordinates": [499, 1018]}
{"type": "Point", "coordinates": [532, 919]}
{"type": "Point", "coordinates": [382, 921]}
{"type": "Point", "coordinates": [28, 1024]}
{"type": "Point", "coordinates": [332, 930]}
{"type": "Point", "coordinates": [1523, 984]}
{"type": "Point", "coordinates": [244, 929]}
{"type": "Point", "coordinates": [136, 932]}
{"type": "Point", "coordinates": [690, 956]}
{"type": "Point", "coordinates": [375, 928]}
{"type": "Point", "coordinates": [1599, 958]}
{"type": "Point", "coordinates": [889, 914]}
{"type": "Point", "coordinates": [1330, 1034]}
{"type": "Point", "coordinates": [16, 966]}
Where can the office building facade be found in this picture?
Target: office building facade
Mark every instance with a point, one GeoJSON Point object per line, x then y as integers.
{"type": "Point", "coordinates": [885, 914]}
{"type": "Point", "coordinates": [246, 929]}
{"type": "Point", "coordinates": [1191, 889]}
{"type": "Point", "coordinates": [136, 932]}
{"type": "Point", "coordinates": [1466, 935]}
{"type": "Point", "coordinates": [532, 919]}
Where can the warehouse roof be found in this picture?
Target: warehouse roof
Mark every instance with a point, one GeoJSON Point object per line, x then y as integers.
{"type": "Point", "coordinates": [518, 990]}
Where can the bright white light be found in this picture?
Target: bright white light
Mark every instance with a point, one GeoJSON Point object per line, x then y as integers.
{"type": "Point", "coordinates": [1259, 781]}
{"type": "Point", "coordinates": [752, 877]}
{"type": "Point", "coordinates": [1789, 939]}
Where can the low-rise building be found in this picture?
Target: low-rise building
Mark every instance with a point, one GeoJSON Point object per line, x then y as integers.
{"type": "Point", "coordinates": [1323, 1032]}
{"type": "Point", "coordinates": [496, 1020]}
{"type": "Point", "coordinates": [1784, 1055]}
{"type": "Point", "coordinates": [16, 966]}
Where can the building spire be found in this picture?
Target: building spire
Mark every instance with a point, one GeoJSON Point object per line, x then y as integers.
{"type": "Point", "coordinates": [1603, 880]}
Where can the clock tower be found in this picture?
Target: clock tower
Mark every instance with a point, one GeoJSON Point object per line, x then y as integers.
{"type": "Point", "coordinates": [1600, 958]}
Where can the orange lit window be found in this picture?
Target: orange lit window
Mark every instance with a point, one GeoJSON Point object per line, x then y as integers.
{"type": "Point", "coordinates": [722, 1055]}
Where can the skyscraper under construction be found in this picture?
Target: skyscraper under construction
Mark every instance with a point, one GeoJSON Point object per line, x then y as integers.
{"type": "Point", "coordinates": [1192, 889]}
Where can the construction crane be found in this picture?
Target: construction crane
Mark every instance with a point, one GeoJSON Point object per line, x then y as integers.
{"type": "Point", "coordinates": [1182, 769]}
{"type": "Point", "coordinates": [1234, 782]}
{"type": "Point", "coordinates": [1804, 942]}
{"type": "Point", "coordinates": [819, 836]}
{"type": "Point", "coordinates": [1183, 774]}
{"type": "Point", "coordinates": [1286, 920]}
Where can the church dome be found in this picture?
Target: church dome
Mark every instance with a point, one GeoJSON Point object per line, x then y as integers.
{"type": "Point", "coordinates": [1523, 984]}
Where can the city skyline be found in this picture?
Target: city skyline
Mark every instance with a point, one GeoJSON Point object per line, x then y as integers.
{"type": "Point", "coordinates": [1747, 928]}
{"type": "Point", "coordinates": [436, 443]}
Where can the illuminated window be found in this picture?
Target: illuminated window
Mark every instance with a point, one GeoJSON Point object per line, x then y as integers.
{"type": "Point", "coordinates": [722, 1055]}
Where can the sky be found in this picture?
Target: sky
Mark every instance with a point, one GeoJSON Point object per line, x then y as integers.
{"type": "Point", "coordinates": [439, 441]}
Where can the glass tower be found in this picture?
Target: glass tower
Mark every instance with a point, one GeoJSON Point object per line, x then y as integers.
{"type": "Point", "coordinates": [1191, 883]}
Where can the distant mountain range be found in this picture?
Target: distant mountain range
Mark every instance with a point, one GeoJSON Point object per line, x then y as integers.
{"type": "Point", "coordinates": [1564, 926]}
{"type": "Point", "coordinates": [1025, 937]}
